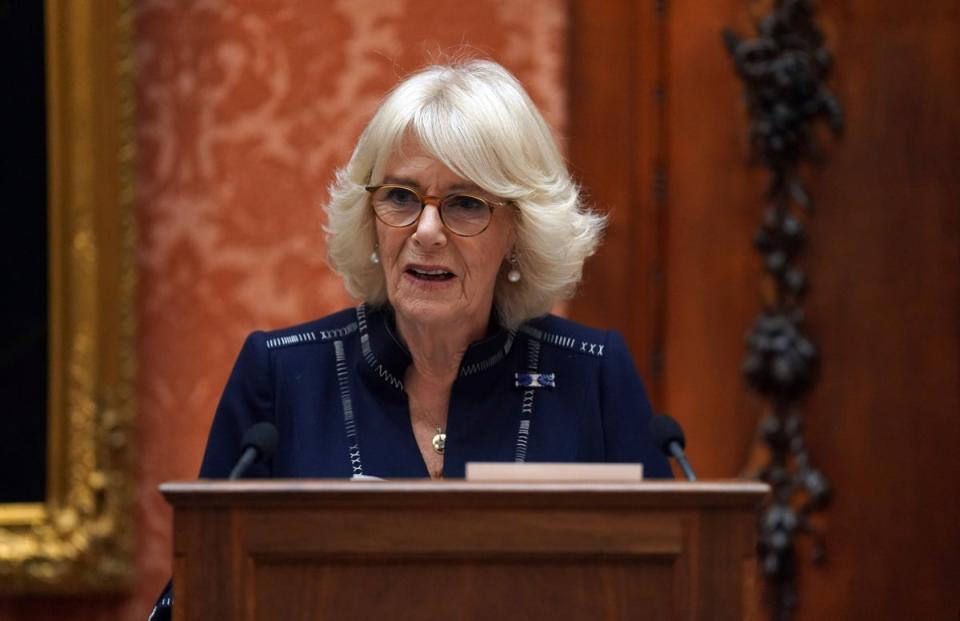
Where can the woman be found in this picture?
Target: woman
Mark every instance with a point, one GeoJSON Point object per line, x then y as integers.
{"type": "Point", "coordinates": [457, 222]}
{"type": "Point", "coordinates": [458, 225]}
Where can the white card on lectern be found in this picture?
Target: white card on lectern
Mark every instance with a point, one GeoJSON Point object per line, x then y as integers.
{"type": "Point", "coordinates": [511, 471]}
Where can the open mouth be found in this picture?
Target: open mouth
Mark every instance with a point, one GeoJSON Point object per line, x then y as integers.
{"type": "Point", "coordinates": [431, 275]}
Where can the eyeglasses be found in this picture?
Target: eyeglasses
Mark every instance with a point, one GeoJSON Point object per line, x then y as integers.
{"type": "Point", "coordinates": [398, 206]}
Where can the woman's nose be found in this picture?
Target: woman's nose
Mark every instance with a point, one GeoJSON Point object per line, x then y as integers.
{"type": "Point", "coordinates": [430, 231]}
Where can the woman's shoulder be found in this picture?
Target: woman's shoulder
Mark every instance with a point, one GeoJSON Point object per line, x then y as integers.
{"type": "Point", "coordinates": [571, 335]}
{"type": "Point", "coordinates": [338, 325]}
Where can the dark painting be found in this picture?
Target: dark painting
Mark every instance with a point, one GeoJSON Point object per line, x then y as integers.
{"type": "Point", "coordinates": [24, 310]}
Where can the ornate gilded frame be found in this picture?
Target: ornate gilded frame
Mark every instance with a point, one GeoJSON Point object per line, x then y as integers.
{"type": "Point", "coordinates": [81, 538]}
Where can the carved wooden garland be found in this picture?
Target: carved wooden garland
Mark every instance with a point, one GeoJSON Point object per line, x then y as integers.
{"type": "Point", "coordinates": [783, 69]}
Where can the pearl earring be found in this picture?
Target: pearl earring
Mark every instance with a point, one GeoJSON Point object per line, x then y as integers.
{"type": "Point", "coordinates": [514, 275]}
{"type": "Point", "coordinates": [375, 258]}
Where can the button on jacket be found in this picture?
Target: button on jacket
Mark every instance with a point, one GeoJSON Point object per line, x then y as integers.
{"type": "Point", "coordinates": [550, 391]}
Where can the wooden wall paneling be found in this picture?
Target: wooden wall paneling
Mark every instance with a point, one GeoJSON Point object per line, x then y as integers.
{"type": "Point", "coordinates": [615, 83]}
{"type": "Point", "coordinates": [884, 260]}
{"type": "Point", "coordinates": [713, 281]}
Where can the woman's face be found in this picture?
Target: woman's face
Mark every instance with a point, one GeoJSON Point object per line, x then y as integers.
{"type": "Point", "coordinates": [432, 274]}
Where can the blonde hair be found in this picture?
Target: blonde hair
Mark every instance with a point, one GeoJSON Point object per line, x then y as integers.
{"type": "Point", "coordinates": [477, 119]}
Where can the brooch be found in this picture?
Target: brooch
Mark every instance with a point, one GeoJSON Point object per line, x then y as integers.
{"type": "Point", "coordinates": [535, 380]}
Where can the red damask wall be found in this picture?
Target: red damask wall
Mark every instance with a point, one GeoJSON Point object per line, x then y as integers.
{"type": "Point", "coordinates": [246, 108]}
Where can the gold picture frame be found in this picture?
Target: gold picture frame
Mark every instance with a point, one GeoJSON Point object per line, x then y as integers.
{"type": "Point", "coordinates": [81, 538]}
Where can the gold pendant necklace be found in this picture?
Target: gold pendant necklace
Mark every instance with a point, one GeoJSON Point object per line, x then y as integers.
{"type": "Point", "coordinates": [439, 440]}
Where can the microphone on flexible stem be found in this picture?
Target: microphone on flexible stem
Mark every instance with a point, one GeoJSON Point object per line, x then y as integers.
{"type": "Point", "coordinates": [259, 443]}
{"type": "Point", "coordinates": [668, 436]}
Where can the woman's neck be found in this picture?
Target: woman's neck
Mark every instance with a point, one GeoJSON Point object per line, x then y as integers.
{"type": "Point", "coordinates": [437, 350]}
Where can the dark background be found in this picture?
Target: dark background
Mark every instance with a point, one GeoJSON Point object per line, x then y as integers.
{"type": "Point", "coordinates": [24, 311]}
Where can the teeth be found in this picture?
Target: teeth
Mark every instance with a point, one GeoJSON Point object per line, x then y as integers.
{"type": "Point", "coordinates": [430, 272]}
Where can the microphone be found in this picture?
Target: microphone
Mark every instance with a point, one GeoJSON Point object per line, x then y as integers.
{"type": "Point", "coordinates": [668, 436]}
{"type": "Point", "coordinates": [259, 443]}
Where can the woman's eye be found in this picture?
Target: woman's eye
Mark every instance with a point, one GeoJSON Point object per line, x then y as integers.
{"type": "Point", "coordinates": [465, 203]}
{"type": "Point", "coordinates": [402, 196]}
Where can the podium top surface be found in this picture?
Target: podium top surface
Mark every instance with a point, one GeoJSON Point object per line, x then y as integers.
{"type": "Point", "coordinates": [292, 492]}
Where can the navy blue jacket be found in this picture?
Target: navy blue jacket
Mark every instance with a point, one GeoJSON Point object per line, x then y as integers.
{"type": "Point", "coordinates": [334, 389]}
{"type": "Point", "coordinates": [551, 391]}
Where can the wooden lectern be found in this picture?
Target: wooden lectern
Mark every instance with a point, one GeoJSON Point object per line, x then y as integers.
{"type": "Point", "coordinates": [307, 549]}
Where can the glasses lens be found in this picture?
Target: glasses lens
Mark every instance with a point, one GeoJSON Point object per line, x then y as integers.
{"type": "Point", "coordinates": [464, 214]}
{"type": "Point", "coordinates": [396, 205]}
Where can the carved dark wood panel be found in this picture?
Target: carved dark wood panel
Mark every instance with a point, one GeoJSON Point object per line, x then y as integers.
{"type": "Point", "coordinates": [784, 68]}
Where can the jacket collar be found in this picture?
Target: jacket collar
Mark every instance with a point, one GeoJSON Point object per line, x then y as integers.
{"type": "Point", "coordinates": [387, 358]}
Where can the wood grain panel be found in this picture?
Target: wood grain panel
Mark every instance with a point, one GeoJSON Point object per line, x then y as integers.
{"type": "Point", "coordinates": [713, 290]}
{"type": "Point", "coordinates": [615, 152]}
{"type": "Point", "coordinates": [468, 590]}
{"type": "Point", "coordinates": [427, 549]}
{"type": "Point", "coordinates": [885, 309]}
{"type": "Point", "coordinates": [456, 532]}
{"type": "Point", "coordinates": [883, 260]}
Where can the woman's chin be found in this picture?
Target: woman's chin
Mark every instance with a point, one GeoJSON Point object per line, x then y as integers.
{"type": "Point", "coordinates": [427, 311]}
{"type": "Point", "coordinates": [439, 311]}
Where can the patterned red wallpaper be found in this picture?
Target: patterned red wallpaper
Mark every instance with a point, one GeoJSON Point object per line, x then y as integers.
{"type": "Point", "coordinates": [246, 108]}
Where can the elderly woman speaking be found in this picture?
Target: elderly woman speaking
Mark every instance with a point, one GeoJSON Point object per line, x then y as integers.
{"type": "Point", "coordinates": [457, 223]}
